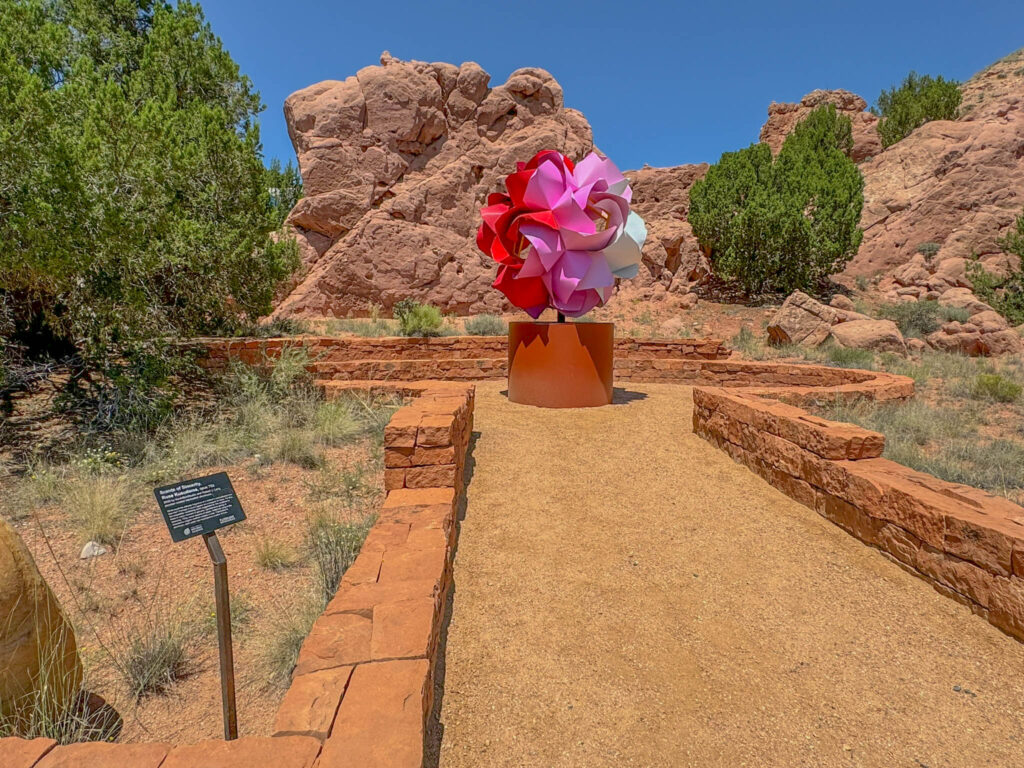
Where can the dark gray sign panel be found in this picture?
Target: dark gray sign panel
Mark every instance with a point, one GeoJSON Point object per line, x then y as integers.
{"type": "Point", "coordinates": [194, 507]}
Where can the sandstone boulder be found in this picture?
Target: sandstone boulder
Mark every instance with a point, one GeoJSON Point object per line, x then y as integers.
{"type": "Point", "coordinates": [842, 302]}
{"type": "Point", "coordinates": [803, 320]}
{"type": "Point", "coordinates": [37, 644]}
{"type": "Point", "coordinates": [876, 335]}
{"type": "Point", "coordinates": [783, 118]}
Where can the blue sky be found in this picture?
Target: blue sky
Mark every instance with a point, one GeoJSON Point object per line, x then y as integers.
{"type": "Point", "coordinates": [661, 82]}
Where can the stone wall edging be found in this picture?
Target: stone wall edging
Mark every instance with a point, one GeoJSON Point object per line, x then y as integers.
{"type": "Point", "coordinates": [362, 689]}
{"type": "Point", "coordinates": [967, 543]}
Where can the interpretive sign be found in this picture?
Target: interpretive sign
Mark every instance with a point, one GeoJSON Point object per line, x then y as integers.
{"type": "Point", "coordinates": [194, 507]}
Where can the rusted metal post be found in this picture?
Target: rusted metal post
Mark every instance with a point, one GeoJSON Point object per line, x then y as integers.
{"type": "Point", "coordinates": [227, 659]}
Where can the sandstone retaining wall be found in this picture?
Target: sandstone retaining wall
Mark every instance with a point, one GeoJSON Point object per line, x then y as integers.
{"type": "Point", "coordinates": [966, 543]}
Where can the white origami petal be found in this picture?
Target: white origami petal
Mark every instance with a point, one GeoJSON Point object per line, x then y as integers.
{"type": "Point", "coordinates": [625, 252]}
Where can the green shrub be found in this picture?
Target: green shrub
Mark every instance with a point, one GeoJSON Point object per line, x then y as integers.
{"type": "Point", "coordinates": [928, 250]}
{"type": "Point", "coordinates": [415, 319]}
{"type": "Point", "coordinates": [918, 100]}
{"type": "Point", "coordinates": [486, 325]}
{"type": "Point", "coordinates": [954, 314]}
{"type": "Point", "coordinates": [915, 318]}
{"type": "Point", "coordinates": [994, 386]}
{"type": "Point", "coordinates": [785, 223]}
{"type": "Point", "coordinates": [1006, 294]}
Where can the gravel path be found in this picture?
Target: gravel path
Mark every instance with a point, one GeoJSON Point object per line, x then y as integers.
{"type": "Point", "coordinates": [626, 595]}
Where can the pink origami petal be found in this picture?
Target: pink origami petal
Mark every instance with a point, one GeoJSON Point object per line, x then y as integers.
{"type": "Point", "coordinates": [546, 186]}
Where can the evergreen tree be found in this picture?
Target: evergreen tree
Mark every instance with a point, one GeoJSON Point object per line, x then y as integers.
{"type": "Point", "coordinates": [134, 204]}
{"type": "Point", "coordinates": [785, 223]}
{"type": "Point", "coordinates": [919, 99]}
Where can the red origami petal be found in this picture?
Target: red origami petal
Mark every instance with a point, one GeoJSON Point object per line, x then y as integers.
{"type": "Point", "coordinates": [523, 292]}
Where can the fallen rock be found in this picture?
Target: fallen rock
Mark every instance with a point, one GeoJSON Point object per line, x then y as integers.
{"type": "Point", "coordinates": [803, 320]}
{"type": "Point", "coordinates": [92, 549]}
{"type": "Point", "coordinates": [839, 301]}
{"type": "Point", "coordinates": [916, 346]}
{"type": "Point", "coordinates": [688, 300]}
{"type": "Point", "coordinates": [964, 298]}
{"type": "Point", "coordinates": [876, 335]}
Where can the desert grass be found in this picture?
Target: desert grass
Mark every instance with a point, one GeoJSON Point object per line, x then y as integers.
{"type": "Point", "coordinates": [281, 645]}
{"type": "Point", "coordinates": [485, 325]}
{"type": "Point", "coordinates": [333, 542]}
{"type": "Point", "coordinates": [274, 555]}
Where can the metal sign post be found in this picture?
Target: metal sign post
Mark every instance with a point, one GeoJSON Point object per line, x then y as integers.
{"type": "Point", "coordinates": [227, 657]}
{"type": "Point", "coordinates": [199, 507]}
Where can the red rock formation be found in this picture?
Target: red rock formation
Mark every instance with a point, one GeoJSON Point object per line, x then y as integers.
{"type": "Point", "coordinates": [783, 117]}
{"type": "Point", "coordinates": [672, 256]}
{"type": "Point", "coordinates": [396, 162]}
{"type": "Point", "coordinates": [959, 183]}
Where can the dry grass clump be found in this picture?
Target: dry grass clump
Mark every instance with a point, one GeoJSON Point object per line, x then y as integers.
{"type": "Point", "coordinates": [274, 555]}
{"type": "Point", "coordinates": [100, 506]}
{"type": "Point", "coordinates": [333, 543]}
{"type": "Point", "coordinates": [282, 644]}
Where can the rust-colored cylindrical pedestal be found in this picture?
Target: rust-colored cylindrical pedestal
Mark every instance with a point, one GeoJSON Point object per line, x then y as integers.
{"type": "Point", "coordinates": [560, 365]}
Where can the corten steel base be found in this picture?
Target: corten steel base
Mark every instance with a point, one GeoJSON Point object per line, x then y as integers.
{"type": "Point", "coordinates": [560, 365]}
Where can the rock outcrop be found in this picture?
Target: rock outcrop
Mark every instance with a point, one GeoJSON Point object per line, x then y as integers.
{"type": "Point", "coordinates": [396, 162]}
{"type": "Point", "coordinates": [985, 333]}
{"type": "Point", "coordinates": [783, 117]}
{"type": "Point", "coordinates": [40, 672]}
{"type": "Point", "coordinates": [958, 183]}
{"type": "Point", "coordinates": [672, 256]}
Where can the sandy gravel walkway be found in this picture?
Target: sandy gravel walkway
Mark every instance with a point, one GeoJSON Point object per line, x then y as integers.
{"type": "Point", "coordinates": [626, 595]}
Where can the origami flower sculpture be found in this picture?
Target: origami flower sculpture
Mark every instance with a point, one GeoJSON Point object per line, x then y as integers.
{"type": "Point", "coordinates": [562, 234]}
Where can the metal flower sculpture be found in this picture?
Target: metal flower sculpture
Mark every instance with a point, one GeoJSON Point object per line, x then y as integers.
{"type": "Point", "coordinates": [562, 234]}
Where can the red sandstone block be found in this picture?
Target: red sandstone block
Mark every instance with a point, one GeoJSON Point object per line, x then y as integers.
{"type": "Point", "coordinates": [394, 479]}
{"type": "Point", "coordinates": [1006, 606]}
{"type": "Point", "coordinates": [427, 538]}
{"type": "Point", "coordinates": [99, 754]}
{"type": "Point", "coordinates": [385, 534]}
{"type": "Point", "coordinates": [247, 752]}
{"type": "Point", "coordinates": [23, 753]}
{"type": "Point", "coordinates": [436, 476]}
{"type": "Point", "coordinates": [363, 598]}
{"type": "Point", "coordinates": [400, 431]}
{"type": "Point", "coordinates": [312, 700]}
{"type": "Point", "coordinates": [959, 576]}
{"type": "Point", "coordinates": [849, 518]}
{"type": "Point", "coordinates": [365, 568]}
{"type": "Point", "coordinates": [438, 516]}
{"type": "Point", "coordinates": [434, 431]}
{"type": "Point", "coordinates": [410, 497]}
{"type": "Point", "coordinates": [336, 640]}
{"type": "Point", "coordinates": [984, 540]}
{"type": "Point", "coordinates": [398, 457]}
{"type": "Point", "coordinates": [414, 565]}
{"type": "Point", "coordinates": [381, 719]}
{"type": "Point", "coordinates": [405, 629]}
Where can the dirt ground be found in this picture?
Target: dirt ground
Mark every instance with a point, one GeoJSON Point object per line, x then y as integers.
{"type": "Point", "coordinates": [627, 595]}
{"type": "Point", "coordinates": [147, 581]}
